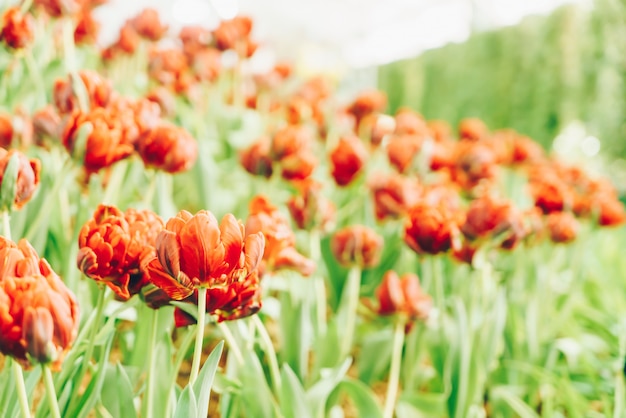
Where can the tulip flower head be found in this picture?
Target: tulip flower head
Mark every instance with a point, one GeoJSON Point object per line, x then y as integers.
{"type": "Point", "coordinates": [19, 178]}
{"type": "Point", "coordinates": [113, 247]}
{"type": "Point", "coordinates": [17, 29]}
{"type": "Point", "coordinates": [357, 245]}
{"type": "Point", "coordinates": [402, 296]}
{"type": "Point", "coordinates": [38, 314]}
{"type": "Point", "coordinates": [195, 250]}
{"type": "Point", "coordinates": [280, 252]}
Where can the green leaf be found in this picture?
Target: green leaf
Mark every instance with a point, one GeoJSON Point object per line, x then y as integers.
{"type": "Point", "coordinates": [117, 392]}
{"type": "Point", "coordinates": [204, 382]}
{"type": "Point", "coordinates": [94, 389]}
{"type": "Point", "coordinates": [362, 397]}
{"type": "Point", "coordinates": [428, 404]}
{"type": "Point", "coordinates": [318, 394]}
{"type": "Point", "coordinates": [255, 394]}
{"type": "Point", "coordinates": [293, 400]}
{"type": "Point", "coordinates": [186, 407]}
{"type": "Point", "coordinates": [513, 401]}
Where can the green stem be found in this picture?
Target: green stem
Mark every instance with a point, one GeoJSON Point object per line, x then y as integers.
{"type": "Point", "coordinates": [197, 352]}
{"type": "Point", "coordinates": [69, 50]}
{"type": "Point", "coordinates": [33, 69]}
{"type": "Point", "coordinates": [114, 183]}
{"type": "Point", "coordinates": [151, 365]}
{"type": "Point", "coordinates": [178, 361]}
{"type": "Point", "coordinates": [21, 389]}
{"type": "Point", "coordinates": [6, 224]}
{"type": "Point", "coordinates": [353, 289]}
{"type": "Point", "coordinates": [90, 341]}
{"type": "Point", "coordinates": [232, 342]}
{"type": "Point", "coordinates": [318, 282]}
{"type": "Point", "coordinates": [437, 272]}
{"type": "Point", "coordinates": [271, 354]}
{"type": "Point", "coordinates": [51, 393]}
{"type": "Point", "coordinates": [149, 196]}
{"type": "Point", "coordinates": [394, 373]}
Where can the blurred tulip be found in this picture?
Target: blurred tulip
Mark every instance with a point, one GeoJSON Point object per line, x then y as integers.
{"type": "Point", "coordinates": [611, 211]}
{"type": "Point", "coordinates": [58, 8]}
{"type": "Point", "coordinates": [148, 24]}
{"type": "Point", "coordinates": [473, 129]}
{"type": "Point", "coordinates": [310, 208]}
{"type": "Point", "coordinates": [298, 166]}
{"type": "Point", "coordinates": [18, 30]}
{"type": "Point", "coordinates": [368, 102]}
{"type": "Point", "coordinates": [6, 130]}
{"type": "Point", "coordinates": [402, 295]}
{"type": "Point", "coordinates": [18, 184]}
{"type": "Point", "coordinates": [357, 245]}
{"type": "Point", "coordinates": [562, 226]}
{"type": "Point", "coordinates": [393, 195]}
{"type": "Point", "coordinates": [402, 151]}
{"type": "Point", "coordinates": [38, 314]}
{"type": "Point", "coordinates": [409, 122]}
{"type": "Point", "coordinates": [348, 159]}
{"type": "Point", "coordinates": [195, 251]}
{"type": "Point", "coordinates": [46, 124]}
{"type": "Point", "coordinates": [280, 252]}
{"type": "Point", "coordinates": [167, 147]}
{"type": "Point", "coordinates": [105, 143]}
{"type": "Point", "coordinates": [98, 89]}
{"type": "Point", "coordinates": [488, 218]}
{"type": "Point", "coordinates": [87, 28]}
{"type": "Point", "coordinates": [256, 158]}
{"type": "Point", "coordinates": [431, 229]}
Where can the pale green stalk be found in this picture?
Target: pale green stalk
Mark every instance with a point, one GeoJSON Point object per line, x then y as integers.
{"type": "Point", "coordinates": [394, 373]}
{"type": "Point", "coordinates": [232, 342]}
{"type": "Point", "coordinates": [270, 352]}
{"type": "Point", "coordinates": [51, 393]}
{"type": "Point", "coordinates": [353, 289]}
{"type": "Point", "coordinates": [151, 365]}
{"type": "Point", "coordinates": [197, 352]}
{"type": "Point", "coordinates": [21, 389]}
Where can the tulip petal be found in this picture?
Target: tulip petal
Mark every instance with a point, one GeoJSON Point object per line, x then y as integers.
{"type": "Point", "coordinates": [175, 289]}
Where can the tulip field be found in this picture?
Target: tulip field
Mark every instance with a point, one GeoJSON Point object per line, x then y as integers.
{"type": "Point", "coordinates": [183, 236]}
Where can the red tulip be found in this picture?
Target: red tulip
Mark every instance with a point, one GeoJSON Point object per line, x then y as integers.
{"type": "Point", "coordinates": [38, 314]}
{"type": "Point", "coordinates": [357, 245]}
{"type": "Point", "coordinates": [195, 251]}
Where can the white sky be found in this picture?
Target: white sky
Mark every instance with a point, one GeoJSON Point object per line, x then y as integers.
{"type": "Point", "coordinates": [333, 34]}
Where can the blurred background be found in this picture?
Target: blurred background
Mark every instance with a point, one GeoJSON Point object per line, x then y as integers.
{"type": "Point", "coordinates": [554, 70]}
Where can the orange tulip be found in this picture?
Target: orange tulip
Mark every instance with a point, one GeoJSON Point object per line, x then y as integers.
{"type": "Point", "coordinates": [6, 130]}
{"type": "Point", "coordinates": [402, 295]}
{"type": "Point", "coordinates": [256, 158]}
{"type": "Point", "coordinates": [357, 245]}
{"type": "Point", "coordinates": [473, 129]}
{"type": "Point", "coordinates": [148, 24]}
{"type": "Point", "coordinates": [310, 209]}
{"type": "Point", "coordinates": [113, 247]}
{"type": "Point", "coordinates": [17, 29]}
{"type": "Point", "coordinates": [46, 124]}
{"type": "Point", "coordinates": [402, 151]}
{"type": "Point", "coordinates": [431, 229]}
{"type": "Point", "coordinates": [194, 39]}
{"type": "Point", "coordinates": [194, 251]}
{"type": "Point", "coordinates": [99, 91]}
{"type": "Point", "coordinates": [409, 122]}
{"type": "Point", "coordinates": [489, 218]}
{"type": "Point", "coordinates": [87, 28]}
{"type": "Point", "coordinates": [367, 102]}
{"type": "Point", "coordinates": [27, 178]}
{"type": "Point", "coordinates": [393, 195]}
{"type": "Point", "coordinates": [38, 314]}
{"type": "Point", "coordinates": [280, 252]}
{"type": "Point", "coordinates": [562, 226]}
{"type": "Point", "coordinates": [167, 147]}
{"type": "Point", "coordinates": [58, 8]}
{"type": "Point", "coordinates": [348, 159]}
{"type": "Point", "coordinates": [106, 143]}
{"type": "Point", "coordinates": [611, 211]}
